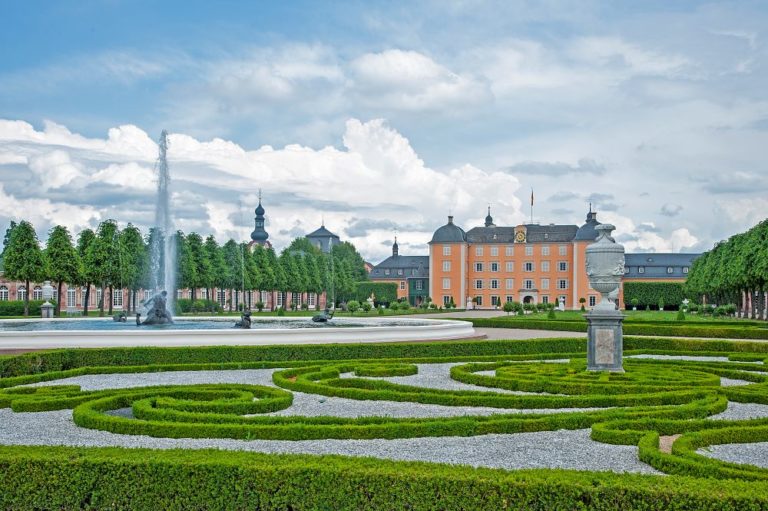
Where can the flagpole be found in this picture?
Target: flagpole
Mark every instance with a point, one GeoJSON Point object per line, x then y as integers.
{"type": "Point", "coordinates": [531, 206]}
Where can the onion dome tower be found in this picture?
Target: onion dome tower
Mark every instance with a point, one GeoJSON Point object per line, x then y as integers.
{"type": "Point", "coordinates": [259, 236]}
{"type": "Point", "coordinates": [489, 219]}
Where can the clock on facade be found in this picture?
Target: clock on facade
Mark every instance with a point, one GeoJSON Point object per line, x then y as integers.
{"type": "Point", "coordinates": [520, 237]}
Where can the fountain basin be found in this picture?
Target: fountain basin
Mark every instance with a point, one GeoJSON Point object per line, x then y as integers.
{"type": "Point", "coordinates": [23, 334]}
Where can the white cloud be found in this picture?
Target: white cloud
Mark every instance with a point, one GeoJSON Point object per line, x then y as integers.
{"type": "Point", "coordinates": [44, 213]}
{"type": "Point", "coordinates": [129, 175]}
{"type": "Point", "coordinates": [646, 238]}
{"type": "Point", "coordinates": [54, 169]}
{"type": "Point", "coordinates": [410, 80]}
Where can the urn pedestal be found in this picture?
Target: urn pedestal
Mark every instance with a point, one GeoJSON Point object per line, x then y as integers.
{"type": "Point", "coordinates": [605, 269]}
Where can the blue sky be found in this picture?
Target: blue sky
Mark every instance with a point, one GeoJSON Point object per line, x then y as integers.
{"type": "Point", "coordinates": [383, 116]}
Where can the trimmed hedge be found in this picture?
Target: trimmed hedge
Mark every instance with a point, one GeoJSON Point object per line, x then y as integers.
{"type": "Point", "coordinates": [648, 294]}
{"type": "Point", "coordinates": [384, 292]}
{"type": "Point", "coordinates": [138, 479]}
{"type": "Point", "coordinates": [16, 307]}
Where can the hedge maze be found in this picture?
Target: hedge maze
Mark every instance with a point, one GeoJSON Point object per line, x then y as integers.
{"type": "Point", "coordinates": [664, 406]}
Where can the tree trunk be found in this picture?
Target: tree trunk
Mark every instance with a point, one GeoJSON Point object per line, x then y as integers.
{"type": "Point", "coordinates": [111, 292]}
{"type": "Point", "coordinates": [26, 298]}
{"type": "Point", "coordinates": [87, 298]}
{"type": "Point", "coordinates": [193, 295]}
{"type": "Point", "coordinates": [58, 303]}
{"type": "Point", "coordinates": [101, 301]}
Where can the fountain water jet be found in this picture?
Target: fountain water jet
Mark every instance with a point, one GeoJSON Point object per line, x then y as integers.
{"type": "Point", "coordinates": [163, 247]}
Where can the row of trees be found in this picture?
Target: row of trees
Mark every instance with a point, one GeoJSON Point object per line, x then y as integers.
{"type": "Point", "coordinates": [733, 270]}
{"type": "Point", "coordinates": [110, 258]}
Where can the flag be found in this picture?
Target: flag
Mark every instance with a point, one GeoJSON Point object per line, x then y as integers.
{"type": "Point", "coordinates": [531, 197]}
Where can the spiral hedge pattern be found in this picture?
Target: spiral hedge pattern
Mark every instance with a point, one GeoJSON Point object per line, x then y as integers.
{"type": "Point", "coordinates": [652, 399]}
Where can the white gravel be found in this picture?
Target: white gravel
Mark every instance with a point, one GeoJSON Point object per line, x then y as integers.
{"type": "Point", "coordinates": [746, 454]}
{"type": "Point", "coordinates": [547, 449]}
{"type": "Point", "coordinates": [742, 411]}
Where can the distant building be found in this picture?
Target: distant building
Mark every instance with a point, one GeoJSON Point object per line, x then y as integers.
{"type": "Point", "coordinates": [409, 273]}
{"type": "Point", "coordinates": [489, 265]}
{"type": "Point", "coordinates": [259, 236]}
{"type": "Point", "coordinates": [323, 239]}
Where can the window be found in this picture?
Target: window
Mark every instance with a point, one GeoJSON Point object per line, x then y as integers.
{"type": "Point", "coordinates": [447, 299]}
{"type": "Point", "coordinates": [545, 266]}
{"type": "Point", "coordinates": [528, 284]}
{"type": "Point", "coordinates": [279, 299]}
{"type": "Point", "coordinates": [446, 266]}
{"type": "Point", "coordinates": [37, 293]}
{"type": "Point", "coordinates": [263, 296]}
{"type": "Point", "coordinates": [117, 298]}
{"type": "Point", "coordinates": [478, 284]}
{"type": "Point", "coordinates": [509, 250]}
{"type": "Point", "coordinates": [545, 299]}
{"type": "Point", "coordinates": [670, 269]}
{"type": "Point", "coordinates": [562, 266]}
{"type": "Point", "coordinates": [147, 294]}
{"type": "Point", "coordinates": [562, 284]}
{"type": "Point", "coordinates": [295, 298]}
{"type": "Point", "coordinates": [446, 250]}
{"type": "Point", "coordinates": [494, 266]}
{"type": "Point", "coordinates": [179, 294]}
{"type": "Point", "coordinates": [562, 250]}
{"type": "Point", "coordinates": [494, 251]}
{"type": "Point", "coordinates": [545, 250]}
{"type": "Point", "coordinates": [21, 293]}
{"type": "Point", "coordinates": [685, 269]}
{"type": "Point", "coordinates": [626, 270]}
{"type": "Point", "coordinates": [509, 298]}
{"type": "Point", "coordinates": [510, 266]}
{"type": "Point", "coordinates": [495, 301]}
{"type": "Point", "coordinates": [311, 299]}
{"type": "Point", "coordinates": [386, 271]}
{"type": "Point", "coordinates": [494, 284]}
{"type": "Point", "coordinates": [478, 300]}
{"type": "Point", "coordinates": [446, 283]}
{"type": "Point", "coordinates": [221, 297]}
{"type": "Point", "coordinates": [478, 251]}
{"type": "Point", "coordinates": [3, 294]}
{"type": "Point", "coordinates": [528, 266]}
{"type": "Point", "coordinates": [400, 271]}
{"type": "Point", "coordinates": [509, 283]}
{"type": "Point", "coordinates": [71, 297]}
{"type": "Point", "coordinates": [402, 285]}
{"type": "Point", "coordinates": [544, 283]}
{"type": "Point", "coordinates": [204, 293]}
{"type": "Point", "coordinates": [641, 269]}
{"type": "Point", "coordinates": [478, 266]}
{"type": "Point", "coordinates": [529, 251]}
{"type": "Point", "coordinates": [419, 284]}
{"type": "Point", "coordinates": [592, 300]}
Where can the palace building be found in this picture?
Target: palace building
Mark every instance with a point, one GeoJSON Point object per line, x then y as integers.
{"type": "Point", "coordinates": [489, 265]}
{"type": "Point", "coordinates": [409, 273]}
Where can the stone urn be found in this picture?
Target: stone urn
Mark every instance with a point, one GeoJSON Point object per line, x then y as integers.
{"type": "Point", "coordinates": [605, 267]}
{"type": "Point", "coordinates": [46, 309]}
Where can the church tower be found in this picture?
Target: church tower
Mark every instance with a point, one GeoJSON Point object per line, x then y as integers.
{"type": "Point", "coordinates": [259, 236]}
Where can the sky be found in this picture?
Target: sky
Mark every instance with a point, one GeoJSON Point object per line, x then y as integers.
{"type": "Point", "coordinates": [379, 118]}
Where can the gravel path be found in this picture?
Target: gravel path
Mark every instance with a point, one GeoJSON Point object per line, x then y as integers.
{"type": "Point", "coordinates": [548, 449]}
{"type": "Point", "coordinates": [749, 454]}
{"type": "Point", "coordinates": [742, 411]}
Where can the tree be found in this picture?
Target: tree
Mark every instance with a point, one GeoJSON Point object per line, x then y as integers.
{"type": "Point", "coordinates": [63, 262]}
{"type": "Point", "coordinates": [102, 261]}
{"type": "Point", "coordinates": [232, 260]}
{"type": "Point", "coordinates": [134, 262]}
{"type": "Point", "coordinates": [346, 252]}
{"type": "Point", "coordinates": [84, 240]}
{"type": "Point", "coordinates": [7, 238]}
{"type": "Point", "coordinates": [202, 273]}
{"type": "Point", "coordinates": [508, 307]}
{"type": "Point", "coordinates": [217, 277]}
{"type": "Point", "coordinates": [23, 259]}
{"type": "Point", "coordinates": [185, 265]}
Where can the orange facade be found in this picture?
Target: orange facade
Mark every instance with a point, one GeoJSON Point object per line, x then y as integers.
{"type": "Point", "coordinates": [486, 275]}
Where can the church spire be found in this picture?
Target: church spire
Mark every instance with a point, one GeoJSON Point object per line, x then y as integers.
{"type": "Point", "coordinates": [395, 248]}
{"type": "Point", "coordinates": [489, 218]}
{"type": "Point", "coordinates": [259, 235]}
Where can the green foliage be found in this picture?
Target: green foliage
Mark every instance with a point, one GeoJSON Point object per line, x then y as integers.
{"type": "Point", "coordinates": [22, 258]}
{"type": "Point", "coordinates": [661, 294]}
{"type": "Point", "coordinates": [353, 306]}
{"type": "Point", "coordinates": [16, 307]}
{"type": "Point", "coordinates": [551, 314]}
{"type": "Point", "coordinates": [186, 306]}
{"type": "Point", "coordinates": [383, 292]}
{"type": "Point", "coordinates": [508, 307]}
{"type": "Point", "coordinates": [366, 306]}
{"type": "Point", "coordinates": [259, 306]}
{"type": "Point", "coordinates": [62, 262]}
{"type": "Point", "coordinates": [680, 315]}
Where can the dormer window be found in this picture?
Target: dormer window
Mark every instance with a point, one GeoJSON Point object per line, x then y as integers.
{"type": "Point", "coordinates": [670, 269]}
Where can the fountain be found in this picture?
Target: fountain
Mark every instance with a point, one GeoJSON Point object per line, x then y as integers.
{"type": "Point", "coordinates": [162, 251]}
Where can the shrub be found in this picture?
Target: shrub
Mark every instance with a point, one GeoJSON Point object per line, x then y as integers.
{"type": "Point", "coordinates": [649, 293]}
{"type": "Point", "coordinates": [551, 314]}
{"type": "Point", "coordinates": [508, 307]}
{"type": "Point", "coordinates": [186, 306]}
{"type": "Point", "coordinates": [394, 305]}
{"type": "Point", "coordinates": [353, 306]}
{"type": "Point", "coordinates": [661, 303]}
{"type": "Point", "coordinates": [680, 315]}
{"type": "Point", "coordinates": [634, 302]}
{"type": "Point", "coordinates": [404, 305]}
{"type": "Point", "coordinates": [384, 292]}
{"type": "Point", "coordinates": [380, 310]}
{"type": "Point", "coordinates": [259, 306]}
{"type": "Point", "coordinates": [281, 311]}
{"type": "Point", "coordinates": [16, 307]}
{"type": "Point", "coordinates": [365, 306]}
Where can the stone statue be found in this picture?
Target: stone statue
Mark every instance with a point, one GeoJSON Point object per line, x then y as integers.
{"type": "Point", "coordinates": [245, 320]}
{"type": "Point", "coordinates": [324, 316]}
{"type": "Point", "coordinates": [158, 314]}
